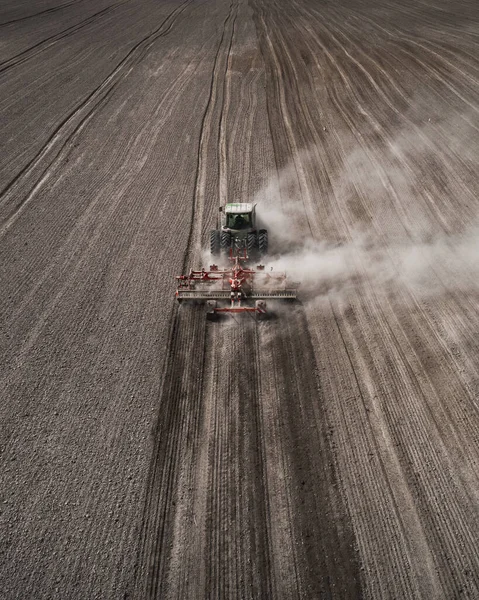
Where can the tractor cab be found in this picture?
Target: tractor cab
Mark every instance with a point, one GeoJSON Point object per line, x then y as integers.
{"type": "Point", "coordinates": [238, 221]}
{"type": "Point", "coordinates": [239, 217]}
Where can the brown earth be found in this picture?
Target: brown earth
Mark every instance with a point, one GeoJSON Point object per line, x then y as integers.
{"type": "Point", "coordinates": [332, 452]}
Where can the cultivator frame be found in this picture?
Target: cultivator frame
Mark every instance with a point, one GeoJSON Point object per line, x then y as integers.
{"type": "Point", "coordinates": [236, 284]}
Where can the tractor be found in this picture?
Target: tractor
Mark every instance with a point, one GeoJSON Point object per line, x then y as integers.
{"type": "Point", "coordinates": [237, 287]}
{"type": "Point", "coordinates": [239, 233]}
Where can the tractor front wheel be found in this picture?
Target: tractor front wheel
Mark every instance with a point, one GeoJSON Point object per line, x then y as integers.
{"type": "Point", "coordinates": [252, 244]}
{"type": "Point", "coordinates": [263, 242]}
{"type": "Point", "coordinates": [215, 243]}
{"type": "Point", "coordinates": [225, 241]}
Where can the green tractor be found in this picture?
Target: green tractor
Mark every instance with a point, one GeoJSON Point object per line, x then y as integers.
{"type": "Point", "coordinates": [238, 232]}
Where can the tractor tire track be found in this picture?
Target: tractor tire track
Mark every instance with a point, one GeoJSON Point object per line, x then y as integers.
{"type": "Point", "coordinates": [33, 51]}
{"type": "Point", "coordinates": [42, 12]}
{"type": "Point", "coordinates": [164, 499]}
{"type": "Point", "coordinates": [317, 540]}
{"type": "Point", "coordinates": [17, 194]}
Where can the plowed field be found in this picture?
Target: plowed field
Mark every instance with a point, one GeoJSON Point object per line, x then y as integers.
{"type": "Point", "coordinates": [330, 452]}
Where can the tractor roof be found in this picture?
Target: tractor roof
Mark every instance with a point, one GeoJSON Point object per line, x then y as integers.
{"type": "Point", "coordinates": [239, 208]}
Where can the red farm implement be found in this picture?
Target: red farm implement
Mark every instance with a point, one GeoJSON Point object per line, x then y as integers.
{"type": "Point", "coordinates": [235, 289]}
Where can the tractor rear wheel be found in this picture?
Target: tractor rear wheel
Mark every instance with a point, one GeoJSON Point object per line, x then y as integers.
{"type": "Point", "coordinates": [225, 241]}
{"type": "Point", "coordinates": [263, 242]}
{"type": "Point", "coordinates": [215, 243]}
{"type": "Point", "coordinates": [252, 244]}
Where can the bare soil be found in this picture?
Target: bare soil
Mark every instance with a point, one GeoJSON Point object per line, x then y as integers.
{"type": "Point", "coordinates": [332, 452]}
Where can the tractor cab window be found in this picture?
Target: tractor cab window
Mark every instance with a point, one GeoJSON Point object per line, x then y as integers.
{"type": "Point", "coordinates": [238, 220]}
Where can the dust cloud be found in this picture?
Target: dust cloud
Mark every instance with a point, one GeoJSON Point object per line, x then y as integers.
{"type": "Point", "coordinates": [435, 267]}
{"type": "Point", "coordinates": [397, 245]}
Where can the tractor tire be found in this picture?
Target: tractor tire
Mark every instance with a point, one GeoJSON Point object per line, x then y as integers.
{"type": "Point", "coordinates": [225, 242]}
{"type": "Point", "coordinates": [261, 314]}
{"type": "Point", "coordinates": [252, 244]}
{"type": "Point", "coordinates": [211, 315]}
{"type": "Point", "coordinates": [215, 243]}
{"type": "Point", "coordinates": [263, 242]}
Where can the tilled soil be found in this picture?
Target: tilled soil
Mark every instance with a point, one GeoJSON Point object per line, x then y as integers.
{"type": "Point", "coordinates": [331, 452]}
